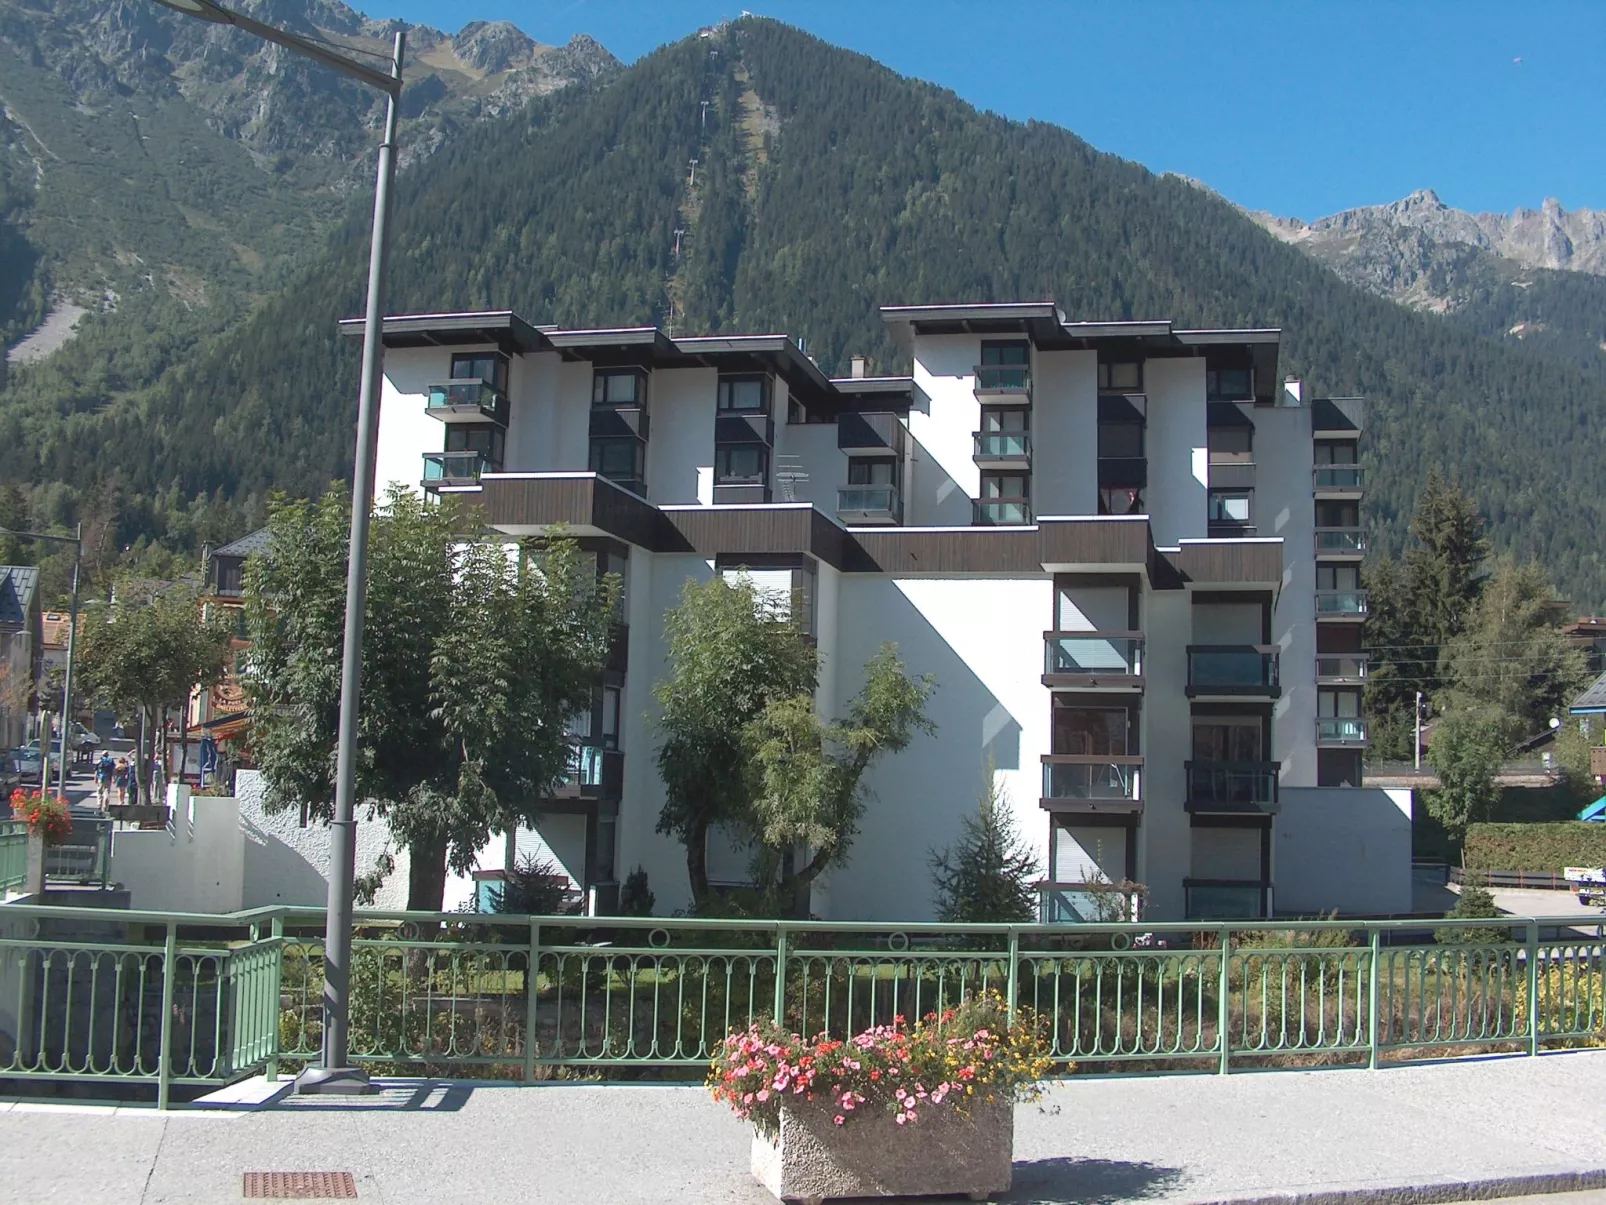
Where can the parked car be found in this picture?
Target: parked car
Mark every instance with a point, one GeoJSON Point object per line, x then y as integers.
{"type": "Point", "coordinates": [27, 762]}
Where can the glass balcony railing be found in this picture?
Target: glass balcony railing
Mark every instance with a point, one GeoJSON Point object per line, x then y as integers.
{"type": "Point", "coordinates": [1341, 730]}
{"type": "Point", "coordinates": [471, 399]}
{"type": "Point", "coordinates": [1224, 899]}
{"type": "Point", "coordinates": [1338, 476]}
{"type": "Point", "coordinates": [585, 765]}
{"type": "Point", "coordinates": [1232, 786]}
{"type": "Point", "coordinates": [1094, 655]}
{"type": "Point", "coordinates": [1340, 540]}
{"type": "Point", "coordinates": [1340, 602]}
{"type": "Point", "coordinates": [1086, 903]}
{"type": "Point", "coordinates": [1003, 378]}
{"type": "Point", "coordinates": [1092, 776]}
{"type": "Point", "coordinates": [869, 501]}
{"type": "Point", "coordinates": [1341, 667]}
{"type": "Point", "coordinates": [1232, 669]}
{"type": "Point", "coordinates": [1002, 445]}
{"type": "Point", "coordinates": [1002, 512]}
{"type": "Point", "coordinates": [454, 468]}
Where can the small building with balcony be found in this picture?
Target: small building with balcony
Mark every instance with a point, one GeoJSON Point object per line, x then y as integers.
{"type": "Point", "coordinates": [1128, 553]}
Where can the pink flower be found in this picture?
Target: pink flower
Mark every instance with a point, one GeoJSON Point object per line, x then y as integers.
{"type": "Point", "coordinates": [900, 1119]}
{"type": "Point", "coordinates": [839, 1119]}
{"type": "Point", "coordinates": [763, 1094]}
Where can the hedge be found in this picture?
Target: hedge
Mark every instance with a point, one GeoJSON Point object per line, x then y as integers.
{"type": "Point", "coordinates": [1542, 847]}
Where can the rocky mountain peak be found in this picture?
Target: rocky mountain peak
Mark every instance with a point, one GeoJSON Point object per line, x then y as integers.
{"type": "Point", "coordinates": [494, 46]}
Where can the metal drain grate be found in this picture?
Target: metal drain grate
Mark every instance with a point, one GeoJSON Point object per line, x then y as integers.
{"type": "Point", "coordinates": [301, 1186]}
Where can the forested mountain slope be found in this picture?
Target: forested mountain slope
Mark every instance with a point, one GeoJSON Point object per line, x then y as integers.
{"type": "Point", "coordinates": [826, 185]}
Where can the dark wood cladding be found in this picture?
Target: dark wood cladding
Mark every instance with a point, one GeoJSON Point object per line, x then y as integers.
{"type": "Point", "coordinates": [948, 550]}
{"type": "Point", "coordinates": [1109, 541]}
{"type": "Point", "coordinates": [576, 502]}
{"type": "Point", "coordinates": [1229, 561]}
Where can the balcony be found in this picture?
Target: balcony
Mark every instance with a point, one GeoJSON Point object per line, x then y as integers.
{"type": "Point", "coordinates": [1002, 449]}
{"type": "Point", "coordinates": [1232, 670]}
{"type": "Point", "coordinates": [1341, 669]}
{"type": "Point", "coordinates": [1232, 787]}
{"type": "Point", "coordinates": [1001, 512]}
{"type": "Point", "coordinates": [594, 773]}
{"type": "Point", "coordinates": [1334, 542]}
{"type": "Point", "coordinates": [870, 434]}
{"type": "Point", "coordinates": [865, 505]}
{"type": "Point", "coordinates": [1013, 381]}
{"type": "Point", "coordinates": [454, 468]}
{"type": "Point", "coordinates": [1337, 480]}
{"type": "Point", "coordinates": [1093, 660]}
{"type": "Point", "coordinates": [1086, 903]}
{"type": "Point", "coordinates": [466, 402]}
{"type": "Point", "coordinates": [1342, 732]}
{"type": "Point", "coordinates": [1092, 783]}
{"type": "Point", "coordinates": [1341, 604]}
{"type": "Point", "coordinates": [1225, 899]}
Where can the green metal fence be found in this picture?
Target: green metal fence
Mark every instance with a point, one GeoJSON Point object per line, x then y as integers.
{"type": "Point", "coordinates": [13, 855]}
{"type": "Point", "coordinates": [165, 999]}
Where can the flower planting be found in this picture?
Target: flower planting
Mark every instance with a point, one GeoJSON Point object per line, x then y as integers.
{"type": "Point", "coordinates": [953, 1060]}
{"type": "Point", "coordinates": [45, 815]}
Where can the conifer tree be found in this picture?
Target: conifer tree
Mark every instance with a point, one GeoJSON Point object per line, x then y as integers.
{"type": "Point", "coordinates": [987, 875]}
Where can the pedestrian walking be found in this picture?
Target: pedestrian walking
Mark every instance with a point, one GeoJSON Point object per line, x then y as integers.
{"type": "Point", "coordinates": [104, 771]}
{"type": "Point", "coordinates": [120, 778]}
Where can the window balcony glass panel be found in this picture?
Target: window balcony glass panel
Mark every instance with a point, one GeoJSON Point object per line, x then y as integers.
{"type": "Point", "coordinates": [1340, 540]}
{"type": "Point", "coordinates": [1105, 656]}
{"type": "Point", "coordinates": [454, 468]}
{"type": "Point", "coordinates": [472, 400]}
{"type": "Point", "coordinates": [878, 501]}
{"type": "Point", "coordinates": [1341, 602]}
{"type": "Point", "coordinates": [1003, 512]}
{"type": "Point", "coordinates": [1003, 378]}
{"type": "Point", "coordinates": [585, 765]}
{"type": "Point", "coordinates": [1232, 786]}
{"type": "Point", "coordinates": [1085, 903]}
{"type": "Point", "coordinates": [1344, 667]}
{"type": "Point", "coordinates": [1002, 445]}
{"type": "Point", "coordinates": [1092, 777]}
{"type": "Point", "coordinates": [1224, 899]}
{"type": "Point", "coordinates": [1338, 476]}
{"type": "Point", "coordinates": [1341, 730]}
{"type": "Point", "coordinates": [1241, 669]}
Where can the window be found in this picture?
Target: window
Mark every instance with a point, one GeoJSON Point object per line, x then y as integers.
{"type": "Point", "coordinates": [619, 387]}
{"type": "Point", "coordinates": [1338, 514]}
{"type": "Point", "coordinates": [1121, 376]}
{"type": "Point", "coordinates": [1006, 351]}
{"type": "Point", "coordinates": [1121, 440]}
{"type": "Point", "coordinates": [744, 394]}
{"type": "Point", "coordinates": [1338, 577]}
{"type": "Point", "coordinates": [1005, 485]}
{"type": "Point", "coordinates": [1091, 730]}
{"type": "Point", "coordinates": [1230, 506]}
{"type": "Point", "coordinates": [481, 366]}
{"type": "Point", "coordinates": [1122, 500]}
{"type": "Point", "coordinates": [740, 464]}
{"type": "Point", "coordinates": [617, 459]}
{"type": "Point", "coordinates": [1227, 738]}
{"type": "Point", "coordinates": [1231, 445]}
{"type": "Point", "coordinates": [484, 438]}
{"type": "Point", "coordinates": [1229, 384]}
{"type": "Point", "coordinates": [610, 716]}
{"type": "Point", "coordinates": [1336, 452]}
{"type": "Point", "coordinates": [995, 418]}
{"type": "Point", "coordinates": [1338, 704]}
{"type": "Point", "coordinates": [864, 470]}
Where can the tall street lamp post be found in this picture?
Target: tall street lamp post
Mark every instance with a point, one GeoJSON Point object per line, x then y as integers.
{"type": "Point", "coordinates": [334, 1073]}
{"type": "Point", "coordinates": [77, 541]}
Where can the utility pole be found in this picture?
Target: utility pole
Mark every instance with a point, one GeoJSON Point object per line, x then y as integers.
{"type": "Point", "coordinates": [694, 173]}
{"type": "Point", "coordinates": [705, 114]}
{"type": "Point", "coordinates": [678, 233]}
{"type": "Point", "coordinates": [1416, 748]}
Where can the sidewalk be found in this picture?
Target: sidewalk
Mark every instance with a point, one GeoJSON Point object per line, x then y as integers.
{"type": "Point", "coordinates": [1504, 1127]}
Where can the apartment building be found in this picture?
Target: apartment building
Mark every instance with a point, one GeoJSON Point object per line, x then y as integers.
{"type": "Point", "coordinates": [1129, 554]}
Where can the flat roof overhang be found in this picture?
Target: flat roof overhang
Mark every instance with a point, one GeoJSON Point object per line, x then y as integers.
{"type": "Point", "coordinates": [503, 328]}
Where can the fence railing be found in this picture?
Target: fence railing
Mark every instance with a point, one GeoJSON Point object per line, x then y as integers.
{"type": "Point", "coordinates": [167, 1000]}
{"type": "Point", "coordinates": [13, 855]}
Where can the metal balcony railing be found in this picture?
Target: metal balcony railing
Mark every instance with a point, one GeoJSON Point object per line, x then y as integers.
{"type": "Point", "coordinates": [1341, 730]}
{"type": "Point", "coordinates": [1232, 786]}
{"type": "Point", "coordinates": [1338, 604]}
{"type": "Point", "coordinates": [1232, 669]}
{"type": "Point", "coordinates": [869, 504]}
{"type": "Point", "coordinates": [1335, 541]}
{"type": "Point", "coordinates": [1095, 654]}
{"type": "Point", "coordinates": [1002, 512]}
{"type": "Point", "coordinates": [1341, 667]}
{"type": "Point", "coordinates": [1092, 776]}
{"type": "Point", "coordinates": [1337, 476]}
{"type": "Point", "coordinates": [1225, 899]}
{"type": "Point", "coordinates": [454, 468]}
{"type": "Point", "coordinates": [466, 401]}
{"type": "Point", "coordinates": [1087, 903]}
{"type": "Point", "coordinates": [1002, 446]}
{"type": "Point", "coordinates": [1003, 378]}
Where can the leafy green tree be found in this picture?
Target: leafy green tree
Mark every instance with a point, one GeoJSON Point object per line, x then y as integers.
{"type": "Point", "coordinates": [1469, 745]}
{"type": "Point", "coordinates": [987, 875]}
{"type": "Point", "coordinates": [807, 772]}
{"type": "Point", "coordinates": [473, 662]}
{"type": "Point", "coordinates": [14, 516]}
{"type": "Point", "coordinates": [731, 652]}
{"type": "Point", "coordinates": [145, 654]}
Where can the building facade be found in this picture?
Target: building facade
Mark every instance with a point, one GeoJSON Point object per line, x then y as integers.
{"type": "Point", "coordinates": [1129, 554]}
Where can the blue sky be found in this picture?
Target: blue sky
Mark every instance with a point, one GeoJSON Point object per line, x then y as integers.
{"type": "Point", "coordinates": [1298, 108]}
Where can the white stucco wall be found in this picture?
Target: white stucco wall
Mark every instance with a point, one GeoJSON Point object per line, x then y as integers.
{"type": "Point", "coordinates": [814, 445]}
{"type": "Point", "coordinates": [196, 865]}
{"type": "Point", "coordinates": [406, 431]}
{"type": "Point", "coordinates": [1178, 468]}
{"type": "Point", "coordinates": [982, 640]}
{"type": "Point", "coordinates": [1065, 433]}
{"type": "Point", "coordinates": [1343, 848]}
{"type": "Point", "coordinates": [680, 445]}
{"type": "Point", "coordinates": [943, 477]}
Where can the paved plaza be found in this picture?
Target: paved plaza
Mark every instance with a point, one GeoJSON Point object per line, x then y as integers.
{"type": "Point", "coordinates": [1440, 1132]}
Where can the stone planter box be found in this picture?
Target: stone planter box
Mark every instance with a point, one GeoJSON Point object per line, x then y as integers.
{"type": "Point", "coordinates": [941, 1154]}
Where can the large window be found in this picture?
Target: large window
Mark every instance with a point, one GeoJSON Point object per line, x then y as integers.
{"type": "Point", "coordinates": [481, 366]}
{"type": "Point", "coordinates": [1229, 384]}
{"type": "Point", "coordinates": [1231, 506]}
{"type": "Point", "coordinates": [1337, 451]}
{"type": "Point", "coordinates": [617, 459]}
{"type": "Point", "coordinates": [1120, 441]}
{"type": "Point", "coordinates": [1005, 485]}
{"type": "Point", "coordinates": [1120, 376]}
{"type": "Point", "coordinates": [1005, 351]}
{"type": "Point", "coordinates": [1338, 577]}
{"type": "Point", "coordinates": [1231, 445]}
{"type": "Point", "coordinates": [1092, 731]}
{"type": "Point", "coordinates": [619, 387]}
{"type": "Point", "coordinates": [1000, 419]}
{"type": "Point", "coordinates": [1228, 738]}
{"type": "Point", "coordinates": [740, 464]}
{"type": "Point", "coordinates": [744, 395]}
{"type": "Point", "coordinates": [484, 438]}
{"type": "Point", "coordinates": [876, 470]}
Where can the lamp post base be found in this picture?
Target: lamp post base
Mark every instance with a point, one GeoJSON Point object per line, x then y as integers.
{"type": "Point", "coordinates": [334, 1081]}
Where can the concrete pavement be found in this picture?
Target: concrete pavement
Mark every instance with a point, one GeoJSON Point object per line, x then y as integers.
{"type": "Point", "coordinates": [1437, 1132]}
